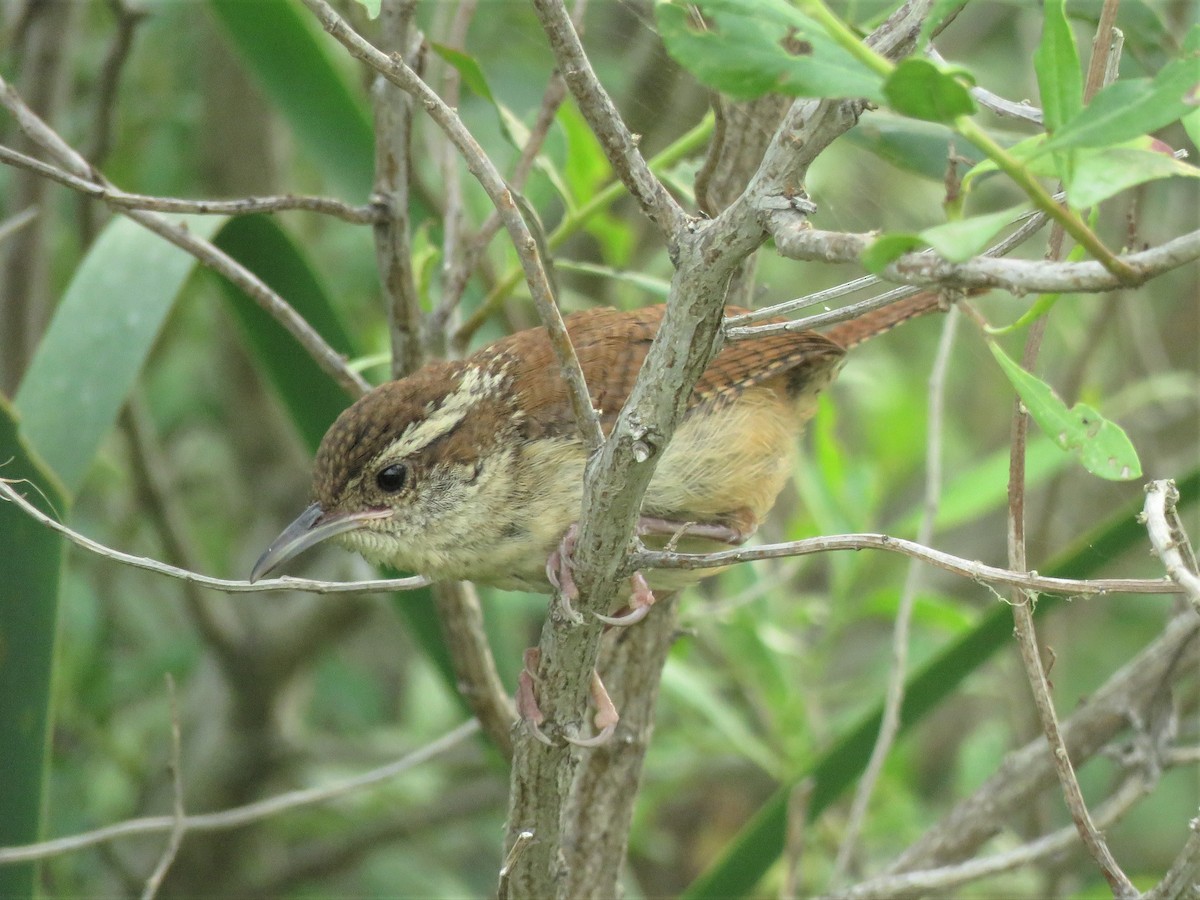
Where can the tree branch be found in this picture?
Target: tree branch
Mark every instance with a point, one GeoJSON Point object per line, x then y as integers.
{"type": "Point", "coordinates": [269, 585]}
{"type": "Point", "coordinates": [325, 356]}
{"type": "Point", "coordinates": [1018, 276]}
{"type": "Point", "coordinates": [394, 69]}
{"type": "Point", "coordinates": [241, 815]}
{"type": "Point", "coordinates": [1128, 695]}
{"type": "Point", "coordinates": [620, 146]}
{"type": "Point", "coordinates": [972, 569]}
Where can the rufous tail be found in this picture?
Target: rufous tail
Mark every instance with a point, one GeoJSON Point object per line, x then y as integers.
{"type": "Point", "coordinates": [872, 324]}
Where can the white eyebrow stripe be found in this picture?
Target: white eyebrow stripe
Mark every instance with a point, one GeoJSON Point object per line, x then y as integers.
{"type": "Point", "coordinates": [476, 384]}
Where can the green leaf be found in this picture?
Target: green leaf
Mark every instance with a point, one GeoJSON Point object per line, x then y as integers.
{"type": "Point", "coordinates": [921, 89]}
{"type": "Point", "coordinates": [910, 144]}
{"type": "Point", "coordinates": [1056, 61]}
{"type": "Point", "coordinates": [887, 248]}
{"type": "Point", "coordinates": [282, 46]}
{"type": "Point", "coordinates": [1191, 122]}
{"type": "Point", "coordinates": [1098, 174]}
{"type": "Point", "coordinates": [372, 7]}
{"type": "Point", "coordinates": [747, 49]}
{"type": "Point", "coordinates": [98, 340]}
{"type": "Point", "coordinates": [958, 241]}
{"type": "Point", "coordinates": [30, 568]}
{"type": "Point", "coordinates": [468, 67]}
{"type": "Point", "coordinates": [1129, 109]}
{"type": "Point", "coordinates": [310, 396]}
{"type": "Point", "coordinates": [1101, 446]}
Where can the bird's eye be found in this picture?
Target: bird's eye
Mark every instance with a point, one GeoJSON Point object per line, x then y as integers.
{"type": "Point", "coordinates": [392, 478]}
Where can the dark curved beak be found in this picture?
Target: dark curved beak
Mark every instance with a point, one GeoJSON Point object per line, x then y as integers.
{"type": "Point", "coordinates": [310, 527]}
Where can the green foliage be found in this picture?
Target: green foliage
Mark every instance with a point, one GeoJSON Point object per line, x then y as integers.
{"type": "Point", "coordinates": [923, 90]}
{"type": "Point", "coordinates": [119, 297]}
{"type": "Point", "coordinates": [1102, 447]}
{"type": "Point", "coordinates": [279, 41]}
{"type": "Point", "coordinates": [779, 673]}
{"type": "Point", "coordinates": [749, 49]}
{"type": "Point", "coordinates": [30, 570]}
{"type": "Point", "coordinates": [1056, 62]}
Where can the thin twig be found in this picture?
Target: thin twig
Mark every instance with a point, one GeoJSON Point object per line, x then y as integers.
{"type": "Point", "coordinates": [13, 224]}
{"type": "Point", "coordinates": [214, 621]}
{"type": "Point", "coordinates": [459, 275]}
{"type": "Point", "coordinates": [738, 327]}
{"type": "Point", "coordinates": [972, 569]}
{"type": "Point", "coordinates": [392, 190]}
{"type": "Point", "coordinates": [1023, 601]}
{"type": "Point", "coordinates": [179, 816]}
{"type": "Point", "coordinates": [216, 584]}
{"type": "Point", "coordinates": [1127, 697]}
{"type": "Point", "coordinates": [1169, 539]}
{"type": "Point", "coordinates": [204, 251]}
{"type": "Point", "coordinates": [597, 107]}
{"type": "Point", "coordinates": [889, 725]}
{"type": "Point", "coordinates": [238, 816]}
{"type": "Point", "coordinates": [241, 206]}
{"type": "Point", "coordinates": [1001, 106]}
{"type": "Point", "coordinates": [575, 219]}
{"type": "Point", "coordinates": [947, 878]}
{"type": "Point", "coordinates": [1184, 875]}
{"type": "Point", "coordinates": [128, 18]}
{"type": "Point", "coordinates": [1019, 276]}
{"type": "Point", "coordinates": [395, 70]}
{"type": "Point", "coordinates": [794, 841]}
{"type": "Point", "coordinates": [461, 621]}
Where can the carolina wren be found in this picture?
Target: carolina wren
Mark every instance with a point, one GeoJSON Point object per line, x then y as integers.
{"type": "Point", "coordinates": [473, 469]}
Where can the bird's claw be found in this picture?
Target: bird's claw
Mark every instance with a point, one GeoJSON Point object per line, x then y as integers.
{"type": "Point", "coordinates": [527, 705]}
{"type": "Point", "coordinates": [597, 740]}
{"type": "Point", "coordinates": [639, 604]}
{"type": "Point", "coordinates": [606, 717]}
{"type": "Point", "coordinates": [605, 720]}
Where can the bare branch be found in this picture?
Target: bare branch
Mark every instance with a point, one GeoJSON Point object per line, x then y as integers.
{"type": "Point", "coordinates": [179, 817]}
{"type": "Point", "coordinates": [215, 584]}
{"type": "Point", "coordinates": [239, 816]}
{"type": "Point", "coordinates": [204, 251]}
{"type": "Point", "coordinates": [15, 223]}
{"type": "Point", "coordinates": [240, 206]}
{"type": "Point", "coordinates": [393, 174]}
{"type": "Point", "coordinates": [394, 69]}
{"type": "Point", "coordinates": [461, 620]}
{"type": "Point", "coordinates": [1018, 276]}
{"type": "Point", "coordinates": [972, 569]}
{"type": "Point", "coordinates": [889, 725]}
{"type": "Point", "coordinates": [1023, 601]}
{"type": "Point", "coordinates": [1169, 539]}
{"type": "Point", "coordinates": [620, 146]}
{"type": "Point", "coordinates": [949, 877]}
{"type": "Point", "coordinates": [1129, 695]}
{"type": "Point", "coordinates": [1023, 110]}
{"type": "Point", "coordinates": [741, 327]}
{"type": "Point", "coordinates": [1184, 874]}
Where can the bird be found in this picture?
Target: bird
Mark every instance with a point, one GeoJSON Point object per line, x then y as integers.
{"type": "Point", "coordinates": [472, 469]}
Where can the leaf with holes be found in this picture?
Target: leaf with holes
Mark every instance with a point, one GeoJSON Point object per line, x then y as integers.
{"type": "Point", "coordinates": [748, 49]}
{"type": "Point", "coordinates": [1100, 445]}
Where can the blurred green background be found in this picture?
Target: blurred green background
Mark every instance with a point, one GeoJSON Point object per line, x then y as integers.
{"type": "Point", "coordinates": [174, 421]}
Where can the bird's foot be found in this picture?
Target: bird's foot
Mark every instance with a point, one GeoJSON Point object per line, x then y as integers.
{"type": "Point", "coordinates": [558, 566]}
{"type": "Point", "coordinates": [605, 719]}
{"type": "Point", "coordinates": [527, 705]}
